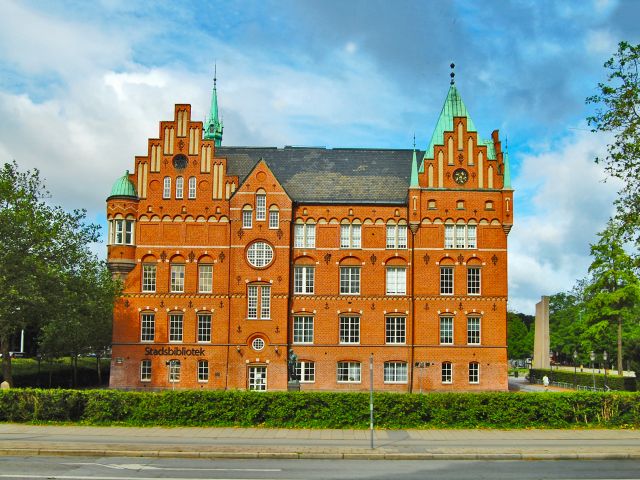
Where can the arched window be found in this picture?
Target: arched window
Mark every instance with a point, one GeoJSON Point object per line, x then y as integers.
{"type": "Point", "coordinates": [261, 206]}
{"type": "Point", "coordinates": [179, 187]}
{"type": "Point", "coordinates": [166, 191]}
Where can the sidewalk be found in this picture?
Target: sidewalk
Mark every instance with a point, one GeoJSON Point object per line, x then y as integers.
{"type": "Point", "coordinates": [22, 440]}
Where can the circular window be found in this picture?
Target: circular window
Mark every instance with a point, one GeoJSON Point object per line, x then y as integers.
{"type": "Point", "coordinates": [180, 161]}
{"type": "Point", "coordinates": [257, 344]}
{"type": "Point", "coordinates": [260, 254]}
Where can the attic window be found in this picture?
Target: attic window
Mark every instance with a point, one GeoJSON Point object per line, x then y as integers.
{"type": "Point", "coordinates": [488, 205]}
{"type": "Point", "coordinates": [460, 204]}
{"type": "Point", "coordinates": [431, 204]}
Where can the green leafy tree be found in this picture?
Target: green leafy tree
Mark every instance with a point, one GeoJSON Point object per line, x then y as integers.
{"type": "Point", "coordinates": [41, 244]}
{"type": "Point", "coordinates": [519, 336]}
{"type": "Point", "coordinates": [612, 296]}
{"type": "Point", "coordinates": [618, 111]}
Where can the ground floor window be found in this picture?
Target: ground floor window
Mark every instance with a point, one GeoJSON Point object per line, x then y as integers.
{"type": "Point", "coordinates": [474, 372]}
{"type": "Point", "coordinates": [306, 371]}
{"type": "Point", "coordinates": [395, 372]}
{"type": "Point", "coordinates": [447, 372]}
{"type": "Point", "coordinates": [258, 378]}
{"type": "Point", "coordinates": [174, 371]}
{"type": "Point", "coordinates": [348, 372]}
{"type": "Point", "coordinates": [203, 371]}
{"type": "Point", "coordinates": [145, 371]}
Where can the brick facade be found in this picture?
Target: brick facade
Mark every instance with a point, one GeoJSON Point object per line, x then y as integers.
{"type": "Point", "coordinates": [394, 310]}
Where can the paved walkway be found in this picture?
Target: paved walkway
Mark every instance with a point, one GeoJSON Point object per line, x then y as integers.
{"type": "Point", "coordinates": [19, 439]}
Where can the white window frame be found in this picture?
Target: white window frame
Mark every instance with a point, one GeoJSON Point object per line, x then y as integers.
{"type": "Point", "coordinates": [203, 371]}
{"type": "Point", "coordinates": [177, 278]}
{"type": "Point", "coordinates": [474, 280]}
{"type": "Point", "coordinates": [474, 373]}
{"type": "Point", "coordinates": [303, 279]}
{"type": "Point", "coordinates": [349, 372]}
{"type": "Point", "coordinates": [349, 331]}
{"type": "Point", "coordinates": [166, 188]}
{"type": "Point", "coordinates": [304, 235]}
{"type": "Point", "coordinates": [395, 372]}
{"type": "Point", "coordinates": [395, 330]}
{"type": "Point", "coordinates": [147, 327]}
{"type": "Point", "coordinates": [396, 237]}
{"type": "Point", "coordinates": [176, 327]}
{"type": "Point", "coordinates": [121, 232]}
{"type": "Point", "coordinates": [303, 329]}
{"type": "Point", "coordinates": [174, 370]}
{"type": "Point", "coordinates": [474, 325]}
{"type": "Point", "coordinates": [205, 278]}
{"type": "Point", "coordinates": [204, 327]}
{"type": "Point", "coordinates": [192, 188]}
{"type": "Point", "coordinates": [274, 219]}
{"type": "Point", "coordinates": [446, 330]}
{"type": "Point", "coordinates": [460, 236]}
{"type": "Point", "coordinates": [260, 254]}
{"type": "Point", "coordinates": [180, 188]}
{"type": "Point", "coordinates": [247, 218]}
{"type": "Point", "coordinates": [261, 207]}
{"type": "Point", "coordinates": [258, 301]}
{"type": "Point", "coordinates": [446, 280]}
{"type": "Point", "coordinates": [446, 373]}
{"type": "Point", "coordinates": [306, 371]}
{"type": "Point", "coordinates": [145, 370]}
{"type": "Point", "coordinates": [396, 280]}
{"type": "Point", "coordinates": [351, 235]}
{"type": "Point", "coordinates": [257, 383]}
{"type": "Point", "coordinates": [149, 277]}
{"type": "Point", "coordinates": [350, 280]}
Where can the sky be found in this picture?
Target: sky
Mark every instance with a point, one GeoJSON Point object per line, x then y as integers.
{"type": "Point", "coordinates": [83, 85]}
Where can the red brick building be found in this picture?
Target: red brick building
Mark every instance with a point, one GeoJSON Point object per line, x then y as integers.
{"type": "Point", "coordinates": [232, 257]}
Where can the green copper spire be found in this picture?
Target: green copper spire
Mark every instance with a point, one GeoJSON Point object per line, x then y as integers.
{"type": "Point", "coordinates": [507, 170]}
{"type": "Point", "coordinates": [414, 168]}
{"type": "Point", "coordinates": [212, 125]}
{"type": "Point", "coordinates": [123, 187]}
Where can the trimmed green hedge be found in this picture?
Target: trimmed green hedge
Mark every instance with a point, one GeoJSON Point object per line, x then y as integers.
{"type": "Point", "coordinates": [614, 382]}
{"type": "Point", "coordinates": [322, 410]}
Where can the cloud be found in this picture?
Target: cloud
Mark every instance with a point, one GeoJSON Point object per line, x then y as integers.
{"type": "Point", "coordinates": [569, 202]}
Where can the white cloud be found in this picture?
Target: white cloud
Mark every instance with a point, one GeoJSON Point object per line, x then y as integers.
{"type": "Point", "coordinates": [569, 204]}
{"type": "Point", "coordinates": [600, 42]}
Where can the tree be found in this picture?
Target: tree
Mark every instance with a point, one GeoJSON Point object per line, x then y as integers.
{"type": "Point", "coordinates": [41, 244]}
{"type": "Point", "coordinates": [612, 296]}
{"type": "Point", "coordinates": [618, 111]}
{"type": "Point", "coordinates": [519, 336]}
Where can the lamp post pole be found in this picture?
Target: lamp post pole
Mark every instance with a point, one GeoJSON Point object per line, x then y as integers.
{"type": "Point", "coordinates": [605, 356]}
{"type": "Point", "coordinates": [575, 370]}
{"type": "Point", "coordinates": [371, 397]}
{"type": "Point", "coordinates": [592, 357]}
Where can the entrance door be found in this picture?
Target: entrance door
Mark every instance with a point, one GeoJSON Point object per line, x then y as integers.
{"type": "Point", "coordinates": [258, 378]}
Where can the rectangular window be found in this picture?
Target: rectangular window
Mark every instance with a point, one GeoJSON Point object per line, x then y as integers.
{"type": "Point", "coordinates": [177, 278]}
{"type": "Point", "coordinates": [145, 371]}
{"type": "Point", "coordinates": [192, 187]}
{"type": "Point", "coordinates": [395, 330]}
{"type": "Point", "coordinates": [303, 280]}
{"type": "Point", "coordinates": [147, 327]}
{"type": "Point", "coordinates": [348, 372]}
{"type": "Point", "coordinates": [460, 236]}
{"type": "Point", "coordinates": [203, 371]}
{"type": "Point", "coordinates": [302, 329]}
{"type": "Point", "coordinates": [258, 378]}
{"type": "Point", "coordinates": [148, 277]}
{"type": "Point", "coordinates": [306, 372]}
{"type": "Point", "coordinates": [119, 232]}
{"type": "Point", "coordinates": [265, 302]}
{"type": "Point", "coordinates": [259, 300]}
{"type": "Point", "coordinates": [349, 329]}
{"type": "Point", "coordinates": [252, 302]}
{"type": "Point", "coordinates": [204, 327]}
{"type": "Point", "coordinates": [473, 281]}
{"type": "Point", "coordinates": [261, 207]}
{"type": "Point", "coordinates": [350, 280]}
{"type": "Point", "coordinates": [446, 330]}
{"type": "Point", "coordinates": [397, 236]}
{"type": "Point", "coordinates": [395, 372]}
{"type": "Point", "coordinates": [474, 372]}
{"type": "Point", "coordinates": [274, 219]}
{"type": "Point", "coordinates": [471, 236]}
{"type": "Point", "coordinates": [166, 191]}
{"type": "Point", "coordinates": [473, 330]}
{"type": "Point", "coordinates": [128, 232]}
{"type": "Point", "coordinates": [205, 278]}
{"type": "Point", "coordinates": [174, 371]}
{"type": "Point", "coordinates": [448, 236]}
{"type": "Point", "coordinates": [179, 187]}
{"type": "Point", "coordinates": [446, 280]}
{"type": "Point", "coordinates": [175, 327]}
{"type": "Point", "coordinates": [304, 235]}
{"type": "Point", "coordinates": [447, 372]}
{"type": "Point", "coordinates": [247, 219]}
{"type": "Point", "coordinates": [396, 281]}
{"type": "Point", "coordinates": [350, 236]}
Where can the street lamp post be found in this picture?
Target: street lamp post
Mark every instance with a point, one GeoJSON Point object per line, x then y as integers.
{"type": "Point", "coordinates": [605, 356]}
{"type": "Point", "coordinates": [575, 370]}
{"type": "Point", "coordinates": [592, 357]}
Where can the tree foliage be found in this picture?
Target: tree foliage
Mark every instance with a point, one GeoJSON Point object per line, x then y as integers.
{"type": "Point", "coordinates": [519, 335]}
{"type": "Point", "coordinates": [618, 111]}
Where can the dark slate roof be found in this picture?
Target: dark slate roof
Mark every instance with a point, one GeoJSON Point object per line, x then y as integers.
{"type": "Point", "coordinates": [322, 175]}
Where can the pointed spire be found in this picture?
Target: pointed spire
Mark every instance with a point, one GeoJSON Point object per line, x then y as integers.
{"type": "Point", "coordinates": [507, 171]}
{"type": "Point", "coordinates": [415, 183]}
{"type": "Point", "coordinates": [213, 126]}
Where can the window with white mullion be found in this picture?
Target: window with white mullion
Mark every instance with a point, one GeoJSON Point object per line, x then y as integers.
{"type": "Point", "coordinates": [305, 235]}
{"type": "Point", "coordinates": [396, 236]}
{"type": "Point", "coordinates": [179, 187]}
{"type": "Point", "coordinates": [261, 207]}
{"type": "Point", "coordinates": [460, 236]}
{"type": "Point", "coordinates": [302, 330]}
{"type": "Point", "coordinates": [148, 277]}
{"type": "Point", "coordinates": [395, 372]}
{"type": "Point", "coordinates": [473, 281]}
{"type": "Point", "coordinates": [147, 327]}
{"type": "Point", "coordinates": [166, 190]}
{"type": "Point", "coordinates": [205, 278]}
{"type": "Point", "coordinates": [348, 372]}
{"type": "Point", "coordinates": [177, 278]}
{"type": "Point", "coordinates": [303, 280]}
{"type": "Point", "coordinates": [175, 327]}
{"type": "Point", "coordinates": [395, 330]}
{"type": "Point", "coordinates": [474, 372]}
{"type": "Point", "coordinates": [447, 372]}
{"type": "Point", "coordinates": [252, 302]}
{"type": "Point", "coordinates": [145, 371]}
{"type": "Point", "coordinates": [448, 236]}
{"type": "Point", "coordinates": [306, 371]}
{"type": "Point", "coordinates": [473, 330]}
{"type": "Point", "coordinates": [247, 219]}
{"type": "Point", "coordinates": [274, 219]}
{"type": "Point", "coordinates": [192, 187]}
{"type": "Point", "coordinates": [446, 280]}
{"type": "Point", "coordinates": [265, 302]}
{"type": "Point", "coordinates": [396, 281]}
{"type": "Point", "coordinates": [349, 329]}
{"type": "Point", "coordinates": [350, 236]}
{"type": "Point", "coordinates": [446, 330]}
{"type": "Point", "coordinates": [203, 371]}
{"type": "Point", "coordinates": [204, 327]}
{"type": "Point", "coordinates": [350, 280]}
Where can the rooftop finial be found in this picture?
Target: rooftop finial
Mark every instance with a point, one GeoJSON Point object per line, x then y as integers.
{"type": "Point", "coordinates": [215, 73]}
{"type": "Point", "coordinates": [452, 74]}
{"type": "Point", "coordinates": [414, 140]}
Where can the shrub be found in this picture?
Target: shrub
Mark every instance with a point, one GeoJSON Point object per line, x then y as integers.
{"type": "Point", "coordinates": [614, 382]}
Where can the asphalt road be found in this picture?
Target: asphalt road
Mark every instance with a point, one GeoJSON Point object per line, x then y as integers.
{"type": "Point", "coordinates": [118, 468]}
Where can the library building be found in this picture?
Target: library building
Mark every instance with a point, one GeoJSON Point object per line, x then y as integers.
{"type": "Point", "coordinates": [275, 268]}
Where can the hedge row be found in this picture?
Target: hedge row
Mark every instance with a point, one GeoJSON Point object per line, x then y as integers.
{"type": "Point", "coordinates": [322, 410]}
{"type": "Point", "coordinates": [614, 382]}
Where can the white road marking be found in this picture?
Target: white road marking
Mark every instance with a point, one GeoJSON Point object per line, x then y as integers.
{"type": "Point", "coordinates": [139, 466]}
{"type": "Point", "coordinates": [84, 477]}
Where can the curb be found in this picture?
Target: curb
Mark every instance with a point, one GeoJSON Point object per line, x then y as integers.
{"type": "Point", "coordinates": [315, 456]}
